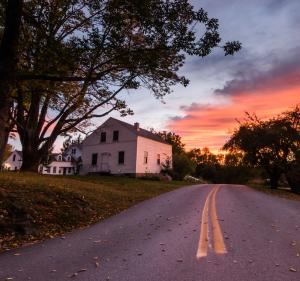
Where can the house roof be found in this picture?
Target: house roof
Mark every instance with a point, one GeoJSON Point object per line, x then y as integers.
{"type": "Point", "coordinates": [19, 152]}
{"type": "Point", "coordinates": [75, 145]}
{"type": "Point", "coordinates": [141, 132]}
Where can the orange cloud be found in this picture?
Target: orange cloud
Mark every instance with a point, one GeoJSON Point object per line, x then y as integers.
{"type": "Point", "coordinates": [211, 125]}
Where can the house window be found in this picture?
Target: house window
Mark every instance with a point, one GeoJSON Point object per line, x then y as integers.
{"type": "Point", "coordinates": [145, 157]}
{"type": "Point", "coordinates": [14, 158]}
{"type": "Point", "coordinates": [103, 137]}
{"type": "Point", "coordinates": [94, 159]}
{"type": "Point", "coordinates": [115, 135]}
{"type": "Point", "coordinates": [69, 170]}
{"type": "Point", "coordinates": [158, 159]}
{"type": "Point", "coordinates": [69, 158]}
{"type": "Point", "coordinates": [54, 170]}
{"type": "Point", "coordinates": [59, 157]}
{"type": "Point", "coordinates": [121, 158]}
{"type": "Point", "coordinates": [47, 170]}
{"type": "Point", "coordinates": [73, 151]}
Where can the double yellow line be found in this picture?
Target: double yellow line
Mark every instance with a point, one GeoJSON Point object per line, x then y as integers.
{"type": "Point", "coordinates": [219, 245]}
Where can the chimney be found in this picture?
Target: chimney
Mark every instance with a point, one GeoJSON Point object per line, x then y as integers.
{"type": "Point", "coordinates": [137, 126]}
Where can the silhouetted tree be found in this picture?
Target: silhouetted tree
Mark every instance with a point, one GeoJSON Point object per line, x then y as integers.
{"type": "Point", "coordinates": [174, 140]}
{"type": "Point", "coordinates": [267, 144]}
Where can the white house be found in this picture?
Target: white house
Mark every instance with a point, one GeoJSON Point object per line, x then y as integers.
{"type": "Point", "coordinates": [67, 163]}
{"type": "Point", "coordinates": [14, 161]}
{"type": "Point", "coordinates": [117, 147]}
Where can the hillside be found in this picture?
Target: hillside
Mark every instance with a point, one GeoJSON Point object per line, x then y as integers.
{"type": "Point", "coordinates": [35, 207]}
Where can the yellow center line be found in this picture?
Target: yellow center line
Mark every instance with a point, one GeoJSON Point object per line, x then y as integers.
{"type": "Point", "coordinates": [203, 240]}
{"type": "Point", "coordinates": [219, 245]}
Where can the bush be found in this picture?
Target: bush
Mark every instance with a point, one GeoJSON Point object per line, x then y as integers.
{"type": "Point", "coordinates": [182, 166]}
{"type": "Point", "coordinates": [293, 178]}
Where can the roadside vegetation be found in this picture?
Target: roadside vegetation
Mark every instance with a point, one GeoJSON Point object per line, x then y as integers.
{"type": "Point", "coordinates": [35, 207]}
{"type": "Point", "coordinates": [283, 192]}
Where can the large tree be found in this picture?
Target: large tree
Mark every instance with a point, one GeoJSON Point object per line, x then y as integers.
{"type": "Point", "coordinates": [78, 56]}
{"type": "Point", "coordinates": [10, 22]}
{"type": "Point", "coordinates": [269, 144]}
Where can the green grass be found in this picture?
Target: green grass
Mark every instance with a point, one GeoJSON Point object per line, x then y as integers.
{"type": "Point", "coordinates": [35, 207]}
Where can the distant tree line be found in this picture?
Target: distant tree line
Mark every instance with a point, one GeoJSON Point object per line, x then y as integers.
{"type": "Point", "coordinates": [257, 148]}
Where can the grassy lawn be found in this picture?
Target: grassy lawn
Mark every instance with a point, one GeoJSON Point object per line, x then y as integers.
{"type": "Point", "coordinates": [281, 192]}
{"type": "Point", "coordinates": [35, 207]}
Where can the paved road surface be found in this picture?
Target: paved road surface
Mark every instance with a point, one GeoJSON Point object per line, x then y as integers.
{"type": "Point", "coordinates": [245, 236]}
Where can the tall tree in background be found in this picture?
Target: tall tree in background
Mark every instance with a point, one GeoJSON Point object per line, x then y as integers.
{"type": "Point", "coordinates": [267, 144]}
{"type": "Point", "coordinates": [10, 21]}
{"type": "Point", "coordinates": [174, 140]}
{"type": "Point", "coordinates": [78, 56]}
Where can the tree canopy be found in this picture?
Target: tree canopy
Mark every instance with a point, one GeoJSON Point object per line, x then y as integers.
{"type": "Point", "coordinates": [270, 144]}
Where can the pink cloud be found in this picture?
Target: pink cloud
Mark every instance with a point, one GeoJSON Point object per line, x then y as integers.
{"type": "Point", "coordinates": [211, 125]}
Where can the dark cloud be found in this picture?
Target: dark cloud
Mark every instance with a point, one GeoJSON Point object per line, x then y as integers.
{"type": "Point", "coordinates": [278, 4]}
{"type": "Point", "coordinates": [251, 77]}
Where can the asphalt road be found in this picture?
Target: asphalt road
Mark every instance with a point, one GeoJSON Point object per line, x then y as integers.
{"type": "Point", "coordinates": [195, 233]}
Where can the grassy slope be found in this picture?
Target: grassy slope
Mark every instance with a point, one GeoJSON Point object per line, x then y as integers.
{"type": "Point", "coordinates": [283, 193]}
{"type": "Point", "coordinates": [35, 207]}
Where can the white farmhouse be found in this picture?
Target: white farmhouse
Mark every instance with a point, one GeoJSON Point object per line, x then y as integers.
{"type": "Point", "coordinates": [117, 147]}
{"type": "Point", "coordinates": [14, 161]}
{"type": "Point", "coordinates": [67, 163]}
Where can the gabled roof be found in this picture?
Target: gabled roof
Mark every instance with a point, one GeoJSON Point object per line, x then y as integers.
{"type": "Point", "coordinates": [140, 131]}
{"type": "Point", "coordinates": [19, 152]}
{"type": "Point", "coordinates": [75, 145]}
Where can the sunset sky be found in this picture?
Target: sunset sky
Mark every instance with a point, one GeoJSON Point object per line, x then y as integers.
{"type": "Point", "coordinates": [264, 77]}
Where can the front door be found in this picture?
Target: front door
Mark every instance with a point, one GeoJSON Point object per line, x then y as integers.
{"type": "Point", "coordinates": [64, 170]}
{"type": "Point", "coordinates": [105, 162]}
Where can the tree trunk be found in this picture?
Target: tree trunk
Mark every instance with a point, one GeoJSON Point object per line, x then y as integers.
{"type": "Point", "coordinates": [31, 159]}
{"type": "Point", "coordinates": [274, 179]}
{"type": "Point", "coordinates": [4, 113]}
{"type": "Point", "coordinates": [8, 63]}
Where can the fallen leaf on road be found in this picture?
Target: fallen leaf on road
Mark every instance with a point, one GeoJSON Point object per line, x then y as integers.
{"type": "Point", "coordinates": [97, 264]}
{"type": "Point", "coordinates": [9, 278]}
{"type": "Point", "coordinates": [17, 254]}
{"type": "Point", "coordinates": [82, 270]}
{"type": "Point", "coordinates": [234, 261]}
{"type": "Point", "coordinates": [180, 260]}
{"type": "Point", "coordinates": [292, 269]}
